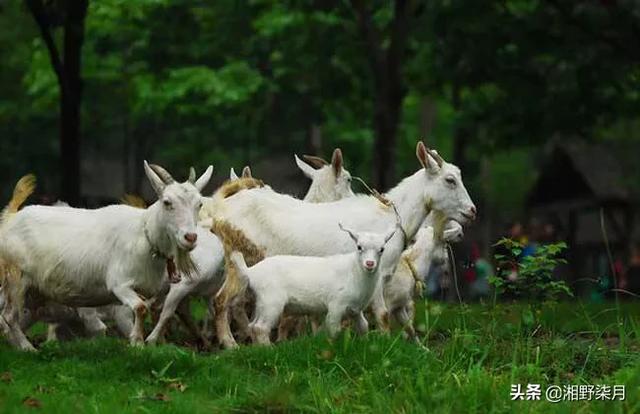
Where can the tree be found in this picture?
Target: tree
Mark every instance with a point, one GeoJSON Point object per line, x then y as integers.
{"type": "Point", "coordinates": [70, 14]}
{"type": "Point", "coordinates": [386, 64]}
{"type": "Point", "coordinates": [520, 71]}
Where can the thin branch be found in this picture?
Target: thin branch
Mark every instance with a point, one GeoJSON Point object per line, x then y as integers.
{"type": "Point", "coordinates": [36, 7]}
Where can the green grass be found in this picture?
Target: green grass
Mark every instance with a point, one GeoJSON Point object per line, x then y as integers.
{"type": "Point", "coordinates": [475, 353]}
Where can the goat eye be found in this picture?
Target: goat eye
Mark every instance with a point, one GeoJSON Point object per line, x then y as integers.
{"type": "Point", "coordinates": [382, 250]}
{"type": "Point", "coordinates": [451, 181]}
{"type": "Point", "coordinates": [359, 248]}
{"type": "Point", "coordinates": [166, 203]}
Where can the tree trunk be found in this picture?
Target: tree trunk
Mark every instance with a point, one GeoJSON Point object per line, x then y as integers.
{"type": "Point", "coordinates": [428, 121]}
{"type": "Point", "coordinates": [460, 136]}
{"type": "Point", "coordinates": [314, 144]}
{"type": "Point", "coordinates": [386, 65]}
{"type": "Point", "coordinates": [67, 69]}
{"type": "Point", "coordinates": [386, 118]}
{"type": "Point", "coordinates": [70, 99]}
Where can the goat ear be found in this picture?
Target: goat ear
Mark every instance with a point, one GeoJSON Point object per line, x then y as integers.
{"type": "Point", "coordinates": [351, 233]}
{"type": "Point", "coordinates": [336, 161]}
{"type": "Point", "coordinates": [306, 168]}
{"type": "Point", "coordinates": [423, 157]}
{"type": "Point", "coordinates": [192, 175]}
{"type": "Point", "coordinates": [204, 179]}
{"type": "Point", "coordinates": [233, 175]}
{"type": "Point", "coordinates": [155, 181]}
{"type": "Point", "coordinates": [246, 172]}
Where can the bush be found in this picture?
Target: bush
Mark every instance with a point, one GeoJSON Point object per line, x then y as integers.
{"type": "Point", "coordinates": [531, 276]}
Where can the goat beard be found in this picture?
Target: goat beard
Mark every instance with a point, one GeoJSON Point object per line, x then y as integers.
{"type": "Point", "coordinates": [185, 266]}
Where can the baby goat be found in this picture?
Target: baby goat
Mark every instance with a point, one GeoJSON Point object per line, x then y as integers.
{"type": "Point", "coordinates": [338, 286]}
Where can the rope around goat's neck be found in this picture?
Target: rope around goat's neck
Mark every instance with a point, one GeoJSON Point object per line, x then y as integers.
{"type": "Point", "coordinates": [385, 201]}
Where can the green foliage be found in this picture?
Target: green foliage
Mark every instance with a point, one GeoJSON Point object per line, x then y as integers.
{"type": "Point", "coordinates": [530, 276]}
{"type": "Point", "coordinates": [187, 82]}
{"type": "Point", "coordinates": [525, 70]}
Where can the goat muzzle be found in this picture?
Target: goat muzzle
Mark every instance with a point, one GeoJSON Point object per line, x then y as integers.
{"type": "Point", "coordinates": [191, 237]}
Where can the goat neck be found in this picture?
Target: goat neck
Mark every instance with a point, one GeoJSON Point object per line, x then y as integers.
{"type": "Point", "coordinates": [160, 243]}
{"type": "Point", "coordinates": [421, 260]}
{"type": "Point", "coordinates": [408, 197]}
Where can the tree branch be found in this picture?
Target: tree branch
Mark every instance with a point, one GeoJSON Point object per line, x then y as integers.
{"type": "Point", "coordinates": [36, 7]}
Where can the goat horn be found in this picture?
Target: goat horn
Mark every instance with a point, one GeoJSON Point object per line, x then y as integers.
{"type": "Point", "coordinates": [436, 157]}
{"type": "Point", "coordinates": [162, 173]}
{"type": "Point", "coordinates": [315, 162]}
{"type": "Point", "coordinates": [192, 175]}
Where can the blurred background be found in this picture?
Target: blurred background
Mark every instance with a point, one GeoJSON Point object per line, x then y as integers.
{"type": "Point", "coordinates": [538, 102]}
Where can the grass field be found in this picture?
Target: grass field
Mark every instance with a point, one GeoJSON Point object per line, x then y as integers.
{"type": "Point", "coordinates": [474, 354]}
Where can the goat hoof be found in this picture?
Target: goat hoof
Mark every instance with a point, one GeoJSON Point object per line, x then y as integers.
{"type": "Point", "coordinates": [27, 347]}
{"type": "Point", "coordinates": [229, 344]}
{"type": "Point", "coordinates": [137, 342]}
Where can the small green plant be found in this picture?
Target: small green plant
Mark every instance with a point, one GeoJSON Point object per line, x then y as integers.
{"type": "Point", "coordinates": [532, 276]}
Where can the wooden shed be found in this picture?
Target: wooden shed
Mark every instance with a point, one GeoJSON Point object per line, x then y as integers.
{"type": "Point", "coordinates": [581, 187]}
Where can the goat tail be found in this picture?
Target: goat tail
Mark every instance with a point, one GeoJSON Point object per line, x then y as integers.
{"type": "Point", "coordinates": [238, 260]}
{"type": "Point", "coordinates": [10, 274]}
{"type": "Point", "coordinates": [242, 271]}
{"type": "Point", "coordinates": [23, 189]}
{"type": "Point", "coordinates": [238, 245]}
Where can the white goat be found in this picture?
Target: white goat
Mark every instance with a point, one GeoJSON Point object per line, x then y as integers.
{"type": "Point", "coordinates": [329, 181]}
{"type": "Point", "coordinates": [91, 318]}
{"type": "Point", "coordinates": [337, 285]}
{"type": "Point", "coordinates": [283, 225]}
{"type": "Point", "coordinates": [400, 289]}
{"type": "Point", "coordinates": [79, 257]}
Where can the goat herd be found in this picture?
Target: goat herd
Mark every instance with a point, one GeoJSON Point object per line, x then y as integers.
{"type": "Point", "coordinates": [247, 250]}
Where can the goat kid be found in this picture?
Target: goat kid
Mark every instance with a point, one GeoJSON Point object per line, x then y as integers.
{"type": "Point", "coordinates": [338, 286]}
